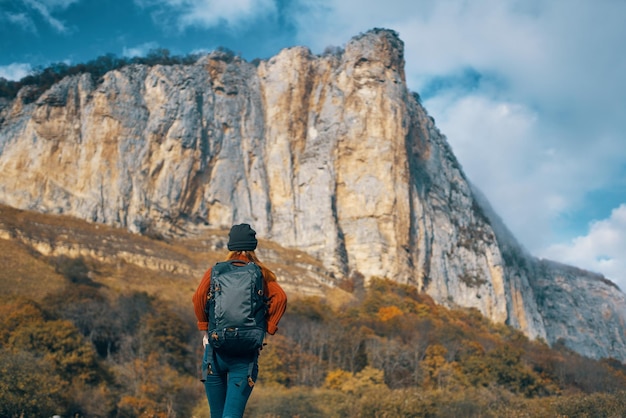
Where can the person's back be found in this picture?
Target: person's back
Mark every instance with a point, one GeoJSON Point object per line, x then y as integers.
{"type": "Point", "coordinates": [230, 362]}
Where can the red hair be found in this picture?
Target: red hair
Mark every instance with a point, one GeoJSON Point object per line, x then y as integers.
{"type": "Point", "coordinates": [251, 256]}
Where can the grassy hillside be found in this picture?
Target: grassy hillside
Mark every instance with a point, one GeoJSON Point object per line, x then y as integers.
{"type": "Point", "coordinates": [23, 273]}
{"type": "Point", "coordinates": [97, 322]}
{"type": "Point", "coordinates": [35, 247]}
{"type": "Point", "coordinates": [40, 248]}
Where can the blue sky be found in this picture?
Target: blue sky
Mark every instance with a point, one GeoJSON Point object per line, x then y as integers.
{"type": "Point", "coordinates": [530, 94]}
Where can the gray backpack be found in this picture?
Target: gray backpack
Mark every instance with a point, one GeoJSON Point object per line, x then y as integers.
{"type": "Point", "coordinates": [236, 308]}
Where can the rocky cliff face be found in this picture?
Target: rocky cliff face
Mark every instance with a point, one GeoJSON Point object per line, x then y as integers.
{"type": "Point", "coordinates": [331, 155]}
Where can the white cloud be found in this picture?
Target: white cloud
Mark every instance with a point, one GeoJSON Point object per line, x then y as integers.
{"type": "Point", "coordinates": [602, 250]}
{"type": "Point", "coordinates": [545, 48]}
{"type": "Point", "coordinates": [58, 4]}
{"type": "Point", "coordinates": [491, 143]}
{"type": "Point", "coordinates": [209, 13]}
{"type": "Point", "coordinates": [46, 10]}
{"type": "Point", "coordinates": [15, 71]}
{"type": "Point", "coordinates": [21, 20]}
{"type": "Point", "coordinates": [25, 13]}
{"type": "Point", "coordinates": [139, 50]}
{"type": "Point", "coordinates": [528, 171]}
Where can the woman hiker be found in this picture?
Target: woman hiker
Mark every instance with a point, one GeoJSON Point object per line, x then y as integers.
{"type": "Point", "coordinates": [229, 378]}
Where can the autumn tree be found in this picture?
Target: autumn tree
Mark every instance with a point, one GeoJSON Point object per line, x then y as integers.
{"type": "Point", "coordinates": [152, 388]}
{"type": "Point", "coordinates": [30, 386]}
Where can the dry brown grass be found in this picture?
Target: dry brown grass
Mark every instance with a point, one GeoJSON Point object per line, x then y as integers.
{"type": "Point", "coordinates": [123, 262]}
{"type": "Point", "coordinates": [29, 273]}
{"type": "Point", "coordinates": [24, 274]}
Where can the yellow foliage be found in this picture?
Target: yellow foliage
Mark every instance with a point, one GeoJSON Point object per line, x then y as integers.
{"type": "Point", "coordinates": [155, 387]}
{"type": "Point", "coordinates": [368, 378]}
{"type": "Point", "coordinates": [18, 313]}
{"type": "Point", "coordinates": [437, 368]}
{"type": "Point", "coordinates": [336, 378]}
{"type": "Point", "coordinates": [279, 361]}
{"type": "Point", "coordinates": [142, 407]}
{"type": "Point", "coordinates": [387, 313]}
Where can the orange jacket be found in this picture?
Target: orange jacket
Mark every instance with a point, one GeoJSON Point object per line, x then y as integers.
{"type": "Point", "coordinates": [276, 295]}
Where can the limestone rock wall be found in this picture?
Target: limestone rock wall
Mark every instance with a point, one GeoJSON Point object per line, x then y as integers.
{"type": "Point", "coordinates": [331, 155]}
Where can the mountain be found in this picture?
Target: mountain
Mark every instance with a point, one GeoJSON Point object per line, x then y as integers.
{"type": "Point", "coordinates": [328, 155]}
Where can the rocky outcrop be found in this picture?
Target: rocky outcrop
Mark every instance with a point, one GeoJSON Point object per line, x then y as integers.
{"type": "Point", "coordinates": [331, 155]}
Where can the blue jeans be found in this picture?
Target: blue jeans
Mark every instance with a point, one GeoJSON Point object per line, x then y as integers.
{"type": "Point", "coordinates": [227, 388]}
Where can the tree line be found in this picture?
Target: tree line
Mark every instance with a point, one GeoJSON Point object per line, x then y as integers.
{"type": "Point", "coordinates": [42, 79]}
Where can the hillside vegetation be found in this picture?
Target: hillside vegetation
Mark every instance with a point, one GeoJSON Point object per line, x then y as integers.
{"type": "Point", "coordinates": [85, 336]}
{"type": "Point", "coordinates": [40, 79]}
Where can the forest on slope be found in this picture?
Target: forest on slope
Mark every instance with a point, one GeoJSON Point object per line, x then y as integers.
{"type": "Point", "coordinates": [75, 342]}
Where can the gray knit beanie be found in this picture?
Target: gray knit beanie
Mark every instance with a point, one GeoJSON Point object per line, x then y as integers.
{"type": "Point", "coordinates": [242, 238]}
